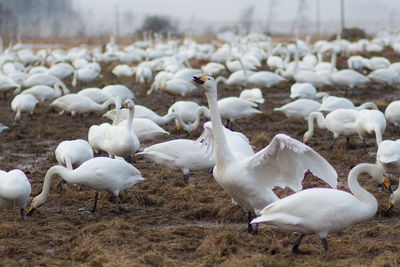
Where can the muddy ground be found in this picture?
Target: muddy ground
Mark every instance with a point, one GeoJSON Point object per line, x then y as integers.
{"type": "Point", "coordinates": [167, 223]}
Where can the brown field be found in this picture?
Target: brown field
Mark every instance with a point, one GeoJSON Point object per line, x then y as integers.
{"type": "Point", "coordinates": [163, 221]}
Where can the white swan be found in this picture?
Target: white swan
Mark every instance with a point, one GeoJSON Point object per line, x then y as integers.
{"type": "Point", "coordinates": [45, 92]}
{"type": "Point", "coordinates": [323, 211]}
{"type": "Point", "coordinates": [370, 122]}
{"type": "Point", "coordinates": [250, 180]}
{"type": "Point", "coordinates": [145, 129]}
{"type": "Point", "coordinates": [305, 90]}
{"type": "Point", "coordinates": [339, 122]}
{"type": "Point", "coordinates": [252, 95]}
{"type": "Point", "coordinates": [23, 103]}
{"type": "Point", "coordinates": [388, 157]}
{"type": "Point", "coordinates": [330, 103]}
{"type": "Point", "coordinates": [79, 104]}
{"type": "Point", "coordinates": [177, 87]}
{"type": "Point", "coordinates": [265, 79]}
{"type": "Point", "coordinates": [94, 93]}
{"type": "Point", "coordinates": [385, 76]}
{"type": "Point", "coordinates": [179, 154]}
{"type": "Point", "coordinates": [15, 190]}
{"type": "Point", "coordinates": [72, 153]}
{"type": "Point", "coordinates": [300, 108]}
{"type": "Point", "coordinates": [118, 90]}
{"type": "Point", "coordinates": [41, 79]}
{"type": "Point", "coordinates": [392, 113]}
{"type": "Point", "coordinates": [121, 140]}
{"type": "Point", "coordinates": [7, 84]}
{"type": "Point", "coordinates": [100, 174]}
{"type": "Point", "coordinates": [123, 70]}
{"type": "Point", "coordinates": [233, 108]}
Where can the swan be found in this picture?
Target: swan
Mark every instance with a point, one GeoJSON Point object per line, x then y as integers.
{"type": "Point", "coordinates": [177, 87]}
{"type": "Point", "coordinates": [159, 79]}
{"type": "Point", "coordinates": [331, 103]}
{"type": "Point", "coordinates": [94, 93]}
{"type": "Point", "coordinates": [213, 68]}
{"type": "Point", "coordinates": [72, 153]}
{"type": "Point", "coordinates": [179, 154]}
{"type": "Point", "coordinates": [7, 84]}
{"type": "Point", "coordinates": [385, 76]}
{"type": "Point", "coordinates": [45, 92]}
{"type": "Point", "coordinates": [323, 211]}
{"type": "Point", "coordinates": [370, 122]}
{"type": "Point", "coordinates": [85, 75]}
{"type": "Point", "coordinates": [392, 113]}
{"type": "Point", "coordinates": [237, 78]}
{"type": "Point", "coordinates": [250, 180]}
{"type": "Point", "coordinates": [145, 129]}
{"type": "Point", "coordinates": [375, 63]}
{"type": "Point", "coordinates": [123, 70]}
{"type": "Point", "coordinates": [339, 122]}
{"type": "Point", "coordinates": [23, 103]}
{"type": "Point", "coordinates": [265, 79]}
{"type": "Point", "coordinates": [79, 104]}
{"type": "Point", "coordinates": [252, 95]}
{"type": "Point", "coordinates": [118, 90]}
{"type": "Point", "coordinates": [121, 140]}
{"type": "Point", "coordinates": [233, 108]}
{"type": "Point", "coordinates": [100, 174]}
{"type": "Point", "coordinates": [15, 190]}
{"type": "Point", "coordinates": [300, 108]}
{"type": "Point", "coordinates": [348, 78]}
{"type": "Point", "coordinates": [388, 157]}
{"type": "Point", "coordinates": [305, 90]}
{"type": "Point", "coordinates": [41, 79]}
{"type": "Point", "coordinates": [61, 70]}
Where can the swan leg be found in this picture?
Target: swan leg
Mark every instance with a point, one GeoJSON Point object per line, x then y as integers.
{"type": "Point", "coordinates": [325, 243]}
{"type": "Point", "coordinates": [255, 230]}
{"type": "Point", "coordinates": [186, 178]}
{"type": "Point", "coordinates": [333, 143]}
{"type": "Point", "coordinates": [249, 226]}
{"type": "Point", "coordinates": [117, 205]}
{"type": "Point", "coordinates": [348, 142]}
{"type": "Point", "coordinates": [365, 147]}
{"type": "Point", "coordinates": [21, 210]}
{"type": "Point", "coordinates": [93, 211]}
{"type": "Point", "coordinates": [295, 248]}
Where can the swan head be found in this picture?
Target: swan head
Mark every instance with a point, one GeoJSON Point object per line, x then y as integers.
{"type": "Point", "coordinates": [36, 202]}
{"type": "Point", "coordinates": [394, 198]}
{"type": "Point", "coordinates": [129, 104]}
{"type": "Point", "coordinates": [207, 82]}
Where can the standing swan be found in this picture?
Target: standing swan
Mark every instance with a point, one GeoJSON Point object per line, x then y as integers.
{"type": "Point", "coordinates": [322, 211]}
{"type": "Point", "coordinates": [100, 174]}
{"type": "Point", "coordinates": [250, 180]}
{"type": "Point", "coordinates": [15, 190]}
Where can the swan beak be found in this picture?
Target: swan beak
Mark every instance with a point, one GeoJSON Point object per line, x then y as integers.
{"type": "Point", "coordinates": [178, 127]}
{"type": "Point", "coordinates": [304, 140]}
{"type": "Point", "coordinates": [124, 106]}
{"type": "Point", "coordinates": [200, 80]}
{"type": "Point", "coordinates": [390, 206]}
{"type": "Point", "coordinates": [78, 187]}
{"type": "Point", "coordinates": [31, 209]}
{"type": "Point", "coordinates": [163, 88]}
{"type": "Point", "coordinates": [386, 184]}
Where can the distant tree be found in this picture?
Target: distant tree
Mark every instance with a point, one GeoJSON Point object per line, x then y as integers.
{"type": "Point", "coordinates": [158, 24]}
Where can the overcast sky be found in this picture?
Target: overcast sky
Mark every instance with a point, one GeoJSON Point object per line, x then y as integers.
{"type": "Point", "coordinates": [197, 15]}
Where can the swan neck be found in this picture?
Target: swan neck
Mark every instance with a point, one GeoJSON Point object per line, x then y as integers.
{"type": "Point", "coordinates": [311, 118]}
{"type": "Point", "coordinates": [333, 62]}
{"type": "Point", "coordinates": [221, 79]}
{"type": "Point", "coordinates": [354, 186]}
{"type": "Point", "coordinates": [60, 170]}
{"type": "Point", "coordinates": [378, 134]}
{"type": "Point", "coordinates": [222, 151]}
{"type": "Point", "coordinates": [130, 118]}
{"type": "Point", "coordinates": [117, 103]}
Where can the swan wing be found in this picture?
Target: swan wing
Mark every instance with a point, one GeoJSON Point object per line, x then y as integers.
{"type": "Point", "coordinates": [284, 162]}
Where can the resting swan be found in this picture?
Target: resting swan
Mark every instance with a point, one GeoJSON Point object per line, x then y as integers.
{"type": "Point", "coordinates": [72, 153]}
{"type": "Point", "coordinates": [250, 180]}
{"type": "Point", "coordinates": [23, 103]}
{"type": "Point", "coordinates": [323, 211]}
{"type": "Point", "coordinates": [15, 190]}
{"type": "Point", "coordinates": [100, 174]}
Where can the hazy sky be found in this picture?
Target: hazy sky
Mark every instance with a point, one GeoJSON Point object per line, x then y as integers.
{"type": "Point", "coordinates": [194, 15]}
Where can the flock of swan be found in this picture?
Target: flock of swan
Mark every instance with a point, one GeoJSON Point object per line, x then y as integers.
{"type": "Point", "coordinates": [248, 177]}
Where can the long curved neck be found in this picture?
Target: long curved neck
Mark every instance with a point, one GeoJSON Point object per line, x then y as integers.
{"type": "Point", "coordinates": [168, 117]}
{"type": "Point", "coordinates": [60, 170]}
{"type": "Point", "coordinates": [106, 104]}
{"type": "Point", "coordinates": [117, 118]}
{"type": "Point", "coordinates": [74, 79]}
{"type": "Point", "coordinates": [222, 151]}
{"type": "Point", "coordinates": [296, 59]}
{"type": "Point", "coordinates": [378, 134]}
{"type": "Point", "coordinates": [130, 119]}
{"type": "Point", "coordinates": [311, 118]}
{"type": "Point", "coordinates": [366, 105]}
{"type": "Point", "coordinates": [199, 111]}
{"type": "Point", "coordinates": [63, 87]}
{"type": "Point", "coordinates": [359, 192]}
{"type": "Point", "coordinates": [221, 79]}
{"type": "Point", "coordinates": [18, 114]}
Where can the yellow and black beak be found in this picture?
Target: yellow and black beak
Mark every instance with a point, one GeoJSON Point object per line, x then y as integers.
{"type": "Point", "coordinates": [31, 210]}
{"type": "Point", "coordinates": [390, 206]}
{"type": "Point", "coordinates": [124, 106]}
{"type": "Point", "coordinates": [199, 80]}
{"type": "Point", "coordinates": [386, 184]}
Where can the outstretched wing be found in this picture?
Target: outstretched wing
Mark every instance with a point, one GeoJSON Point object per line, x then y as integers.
{"type": "Point", "coordinates": [284, 162]}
